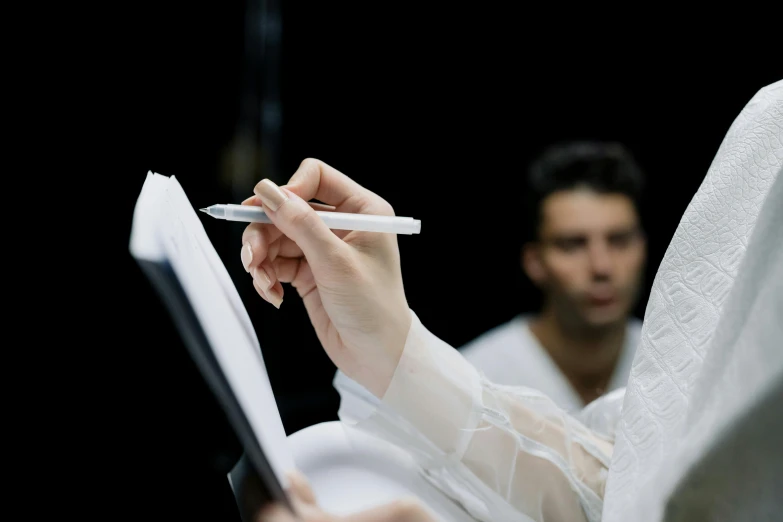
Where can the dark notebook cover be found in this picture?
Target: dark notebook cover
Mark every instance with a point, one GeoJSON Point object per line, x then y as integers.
{"type": "Point", "coordinates": [253, 480]}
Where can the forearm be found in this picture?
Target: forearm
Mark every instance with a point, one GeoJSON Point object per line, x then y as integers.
{"type": "Point", "coordinates": [515, 440]}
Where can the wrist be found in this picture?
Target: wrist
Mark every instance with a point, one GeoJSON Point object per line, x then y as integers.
{"type": "Point", "coordinates": [377, 375]}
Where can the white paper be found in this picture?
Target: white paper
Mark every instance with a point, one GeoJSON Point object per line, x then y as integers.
{"type": "Point", "coordinates": [183, 241]}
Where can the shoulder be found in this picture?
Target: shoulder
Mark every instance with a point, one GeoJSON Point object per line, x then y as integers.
{"type": "Point", "coordinates": [634, 325]}
{"type": "Point", "coordinates": [633, 333]}
{"type": "Point", "coordinates": [498, 338]}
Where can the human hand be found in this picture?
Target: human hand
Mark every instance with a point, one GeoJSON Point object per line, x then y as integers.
{"type": "Point", "coordinates": [350, 281]}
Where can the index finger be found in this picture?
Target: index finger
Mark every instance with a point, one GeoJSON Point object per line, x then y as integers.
{"type": "Point", "coordinates": [254, 201]}
{"type": "Point", "coordinates": [314, 179]}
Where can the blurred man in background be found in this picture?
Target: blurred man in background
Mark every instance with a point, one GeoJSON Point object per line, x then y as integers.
{"type": "Point", "coordinates": [586, 253]}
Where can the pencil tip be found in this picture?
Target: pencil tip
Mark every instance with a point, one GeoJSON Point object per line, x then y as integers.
{"type": "Point", "coordinates": [204, 210]}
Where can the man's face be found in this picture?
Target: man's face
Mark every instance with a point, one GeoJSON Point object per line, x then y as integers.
{"type": "Point", "coordinates": [590, 256]}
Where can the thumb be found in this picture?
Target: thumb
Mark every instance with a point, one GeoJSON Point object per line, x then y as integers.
{"type": "Point", "coordinates": [297, 220]}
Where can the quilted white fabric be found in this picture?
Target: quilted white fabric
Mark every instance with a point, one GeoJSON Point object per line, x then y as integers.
{"type": "Point", "coordinates": [711, 344]}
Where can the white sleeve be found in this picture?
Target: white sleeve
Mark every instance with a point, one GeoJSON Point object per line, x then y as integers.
{"type": "Point", "coordinates": [505, 453]}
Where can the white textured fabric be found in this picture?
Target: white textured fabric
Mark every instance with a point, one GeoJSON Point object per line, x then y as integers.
{"type": "Point", "coordinates": [504, 453]}
{"type": "Point", "coordinates": [511, 355]}
{"type": "Point", "coordinates": [710, 342]}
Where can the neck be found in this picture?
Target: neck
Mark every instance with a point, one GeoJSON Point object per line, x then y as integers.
{"type": "Point", "coordinates": [586, 355]}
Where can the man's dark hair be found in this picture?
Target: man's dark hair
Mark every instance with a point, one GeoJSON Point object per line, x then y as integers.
{"type": "Point", "coordinates": [604, 167]}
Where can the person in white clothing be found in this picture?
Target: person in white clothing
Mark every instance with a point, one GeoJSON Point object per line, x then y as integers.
{"type": "Point", "coordinates": [585, 252]}
{"type": "Point", "coordinates": [700, 422]}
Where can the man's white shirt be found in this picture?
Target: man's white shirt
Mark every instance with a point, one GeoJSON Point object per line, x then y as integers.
{"type": "Point", "coordinates": [510, 354]}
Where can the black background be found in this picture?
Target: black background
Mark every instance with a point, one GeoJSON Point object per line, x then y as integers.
{"type": "Point", "coordinates": [437, 110]}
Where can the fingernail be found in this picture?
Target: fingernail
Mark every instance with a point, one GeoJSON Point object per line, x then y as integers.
{"type": "Point", "coordinates": [270, 194]}
{"type": "Point", "coordinates": [247, 256]}
{"type": "Point", "coordinates": [262, 278]}
{"type": "Point", "coordinates": [270, 294]}
{"type": "Point", "coordinates": [274, 298]}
